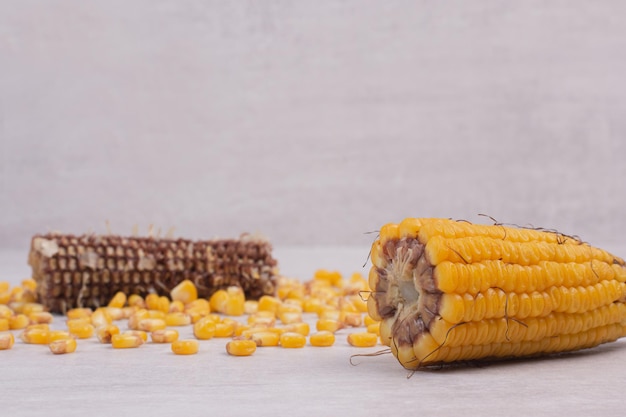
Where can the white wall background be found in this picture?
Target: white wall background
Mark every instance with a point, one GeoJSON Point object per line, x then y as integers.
{"type": "Point", "coordinates": [310, 121]}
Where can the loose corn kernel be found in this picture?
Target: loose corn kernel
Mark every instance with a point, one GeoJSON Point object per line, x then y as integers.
{"type": "Point", "coordinates": [322, 338]}
{"type": "Point", "coordinates": [139, 333]}
{"type": "Point", "coordinates": [204, 328]}
{"type": "Point", "coordinates": [40, 326]}
{"type": "Point", "coordinates": [195, 315]}
{"type": "Point", "coordinates": [292, 340]}
{"type": "Point", "coordinates": [135, 300]}
{"type": "Point", "coordinates": [5, 312]}
{"type": "Point", "coordinates": [118, 300]}
{"type": "Point", "coordinates": [250, 306]}
{"type": "Point", "coordinates": [312, 305]}
{"type": "Point", "coordinates": [177, 319]}
{"type": "Point", "coordinates": [176, 306]}
{"type": "Point", "coordinates": [29, 308]}
{"type": "Point", "coordinates": [136, 317]}
{"type": "Point", "coordinates": [268, 303]}
{"type": "Point", "coordinates": [288, 317]}
{"type": "Point", "coordinates": [362, 339]}
{"type": "Point", "coordinates": [256, 319]}
{"type": "Point", "coordinates": [330, 314]}
{"type": "Point", "coordinates": [369, 320]}
{"type": "Point", "coordinates": [4, 325]}
{"type": "Point", "coordinates": [241, 347]}
{"type": "Point", "coordinates": [164, 336]}
{"type": "Point", "coordinates": [5, 297]}
{"type": "Point", "coordinates": [302, 328]}
{"type": "Point", "coordinates": [225, 328]}
{"type": "Point", "coordinates": [129, 311]}
{"type": "Point", "coordinates": [77, 313]}
{"type": "Point", "coordinates": [149, 325]}
{"type": "Point", "coordinates": [6, 341]}
{"type": "Point", "coordinates": [36, 336]}
{"type": "Point", "coordinates": [359, 303]}
{"type": "Point", "coordinates": [185, 347]}
{"type": "Point", "coordinates": [152, 301]}
{"type": "Point", "coordinates": [374, 328]}
{"type": "Point", "coordinates": [184, 292]}
{"type": "Point", "coordinates": [328, 324]}
{"type": "Point", "coordinates": [265, 338]}
{"type": "Point", "coordinates": [59, 335]}
{"type": "Point", "coordinates": [126, 341]}
{"type": "Point", "coordinates": [218, 301]}
{"type": "Point", "coordinates": [5, 286]}
{"type": "Point", "coordinates": [19, 321]}
{"type": "Point", "coordinates": [235, 302]}
{"type": "Point", "coordinates": [100, 317]}
{"type": "Point", "coordinates": [29, 284]}
{"type": "Point", "coordinates": [61, 346]}
{"type": "Point", "coordinates": [82, 331]}
{"type": "Point", "coordinates": [200, 304]}
{"type": "Point", "coordinates": [40, 317]}
{"type": "Point", "coordinates": [163, 304]}
{"type": "Point", "coordinates": [105, 333]}
{"type": "Point", "coordinates": [115, 313]}
{"type": "Point", "coordinates": [155, 314]}
{"type": "Point", "coordinates": [351, 319]}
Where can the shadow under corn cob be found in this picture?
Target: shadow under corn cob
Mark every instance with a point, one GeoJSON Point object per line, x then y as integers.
{"type": "Point", "coordinates": [86, 271]}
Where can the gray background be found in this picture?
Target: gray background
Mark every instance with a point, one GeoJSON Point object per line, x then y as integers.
{"type": "Point", "coordinates": [311, 122]}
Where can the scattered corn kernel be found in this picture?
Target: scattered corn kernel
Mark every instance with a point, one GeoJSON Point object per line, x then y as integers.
{"type": "Point", "coordinates": [265, 338]}
{"type": "Point", "coordinates": [224, 329]}
{"type": "Point", "coordinates": [292, 340]}
{"type": "Point", "coordinates": [177, 319]}
{"type": "Point", "coordinates": [176, 306]}
{"type": "Point", "coordinates": [149, 325]}
{"type": "Point", "coordinates": [135, 300]}
{"type": "Point", "coordinates": [288, 317]}
{"type": "Point", "coordinates": [77, 313]}
{"type": "Point", "coordinates": [139, 333]}
{"type": "Point", "coordinates": [29, 284]}
{"type": "Point", "coordinates": [100, 317]}
{"type": "Point", "coordinates": [218, 301]}
{"type": "Point", "coordinates": [322, 338]}
{"type": "Point", "coordinates": [61, 346]}
{"type": "Point", "coordinates": [369, 320]}
{"type": "Point", "coordinates": [268, 303]}
{"type": "Point", "coordinates": [250, 306]}
{"type": "Point", "coordinates": [184, 292]}
{"type": "Point", "coordinates": [40, 317]}
{"type": "Point", "coordinates": [204, 328]}
{"type": "Point", "coordinates": [5, 312]}
{"type": "Point", "coordinates": [362, 339]}
{"type": "Point", "coordinates": [351, 319]}
{"type": "Point", "coordinates": [6, 341]}
{"type": "Point", "coordinates": [374, 328]}
{"type": "Point", "coordinates": [152, 301]}
{"type": "Point", "coordinates": [302, 328]}
{"type": "Point", "coordinates": [126, 341]}
{"type": "Point", "coordinates": [82, 331]}
{"type": "Point", "coordinates": [29, 308]}
{"type": "Point", "coordinates": [118, 300]}
{"type": "Point", "coordinates": [4, 325]}
{"type": "Point", "coordinates": [105, 333]}
{"type": "Point", "coordinates": [185, 347]}
{"type": "Point", "coordinates": [19, 321]}
{"type": "Point", "coordinates": [241, 347]}
{"type": "Point", "coordinates": [59, 335]}
{"type": "Point", "coordinates": [164, 336]}
{"type": "Point", "coordinates": [329, 324]}
{"type": "Point", "coordinates": [115, 313]}
{"type": "Point", "coordinates": [36, 336]}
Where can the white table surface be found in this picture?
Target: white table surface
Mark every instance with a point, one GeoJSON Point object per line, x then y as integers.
{"type": "Point", "coordinates": [99, 381]}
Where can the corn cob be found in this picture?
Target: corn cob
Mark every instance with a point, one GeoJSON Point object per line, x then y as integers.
{"type": "Point", "coordinates": [452, 291]}
{"type": "Point", "coordinates": [88, 270]}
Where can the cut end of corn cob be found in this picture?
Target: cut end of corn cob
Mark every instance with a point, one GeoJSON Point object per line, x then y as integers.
{"type": "Point", "coordinates": [448, 290]}
{"type": "Point", "coordinates": [88, 270]}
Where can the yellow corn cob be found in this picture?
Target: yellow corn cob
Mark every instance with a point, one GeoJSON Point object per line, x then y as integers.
{"type": "Point", "coordinates": [87, 271]}
{"type": "Point", "coordinates": [448, 290]}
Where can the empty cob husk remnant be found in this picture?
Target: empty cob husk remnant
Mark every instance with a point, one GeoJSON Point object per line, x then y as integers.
{"type": "Point", "coordinates": [86, 271]}
{"type": "Point", "coordinates": [451, 291]}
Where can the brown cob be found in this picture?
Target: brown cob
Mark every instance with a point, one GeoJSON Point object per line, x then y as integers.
{"type": "Point", "coordinates": [86, 271]}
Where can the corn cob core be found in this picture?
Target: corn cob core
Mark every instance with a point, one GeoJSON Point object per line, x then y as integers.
{"type": "Point", "coordinates": [88, 270]}
{"type": "Point", "coordinates": [447, 290]}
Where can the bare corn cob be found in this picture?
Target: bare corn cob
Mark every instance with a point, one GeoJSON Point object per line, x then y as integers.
{"type": "Point", "coordinates": [449, 290]}
{"type": "Point", "coordinates": [88, 270]}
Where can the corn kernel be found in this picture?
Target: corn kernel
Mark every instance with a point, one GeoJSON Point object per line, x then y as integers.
{"type": "Point", "coordinates": [164, 336]}
{"type": "Point", "coordinates": [163, 304]}
{"type": "Point", "coordinates": [369, 320]}
{"type": "Point", "coordinates": [5, 286]}
{"type": "Point", "coordinates": [322, 338]}
{"type": "Point", "coordinates": [256, 319]}
{"type": "Point", "coordinates": [177, 319]}
{"type": "Point", "coordinates": [362, 339]}
{"type": "Point", "coordinates": [351, 319]}
{"type": "Point", "coordinates": [126, 341]}
{"type": "Point", "coordinates": [5, 312]}
{"type": "Point", "coordinates": [5, 297]}
{"type": "Point", "coordinates": [105, 333]}
{"type": "Point", "coordinates": [139, 333]}
{"type": "Point", "coordinates": [6, 341]}
{"type": "Point", "coordinates": [268, 303]}
{"type": "Point", "coordinates": [184, 292]}
{"type": "Point", "coordinates": [288, 317]}
{"type": "Point", "coordinates": [329, 314]}
{"type": "Point", "coordinates": [19, 321]}
{"type": "Point", "coordinates": [302, 328]}
{"type": "Point", "coordinates": [115, 313]}
{"type": "Point", "coordinates": [4, 325]}
{"type": "Point", "coordinates": [250, 306]}
{"type": "Point", "coordinates": [292, 340]}
{"type": "Point", "coordinates": [374, 328]}
{"type": "Point", "coordinates": [29, 308]}
{"type": "Point", "coordinates": [235, 302]}
{"type": "Point", "coordinates": [328, 324]}
{"type": "Point", "coordinates": [312, 305]}
{"type": "Point", "coordinates": [82, 331]}
{"type": "Point", "coordinates": [29, 284]}
{"type": "Point", "coordinates": [176, 306]}
{"type": "Point", "coordinates": [61, 346]}
{"type": "Point", "coordinates": [135, 300]}
{"type": "Point", "coordinates": [218, 301]}
{"type": "Point", "coordinates": [118, 300]}
{"type": "Point", "coordinates": [59, 335]}
{"type": "Point", "coordinates": [36, 336]}
{"type": "Point", "coordinates": [149, 325]}
{"type": "Point", "coordinates": [241, 347]}
{"type": "Point", "coordinates": [185, 347]}
{"type": "Point", "coordinates": [225, 329]}
{"type": "Point", "coordinates": [265, 338]}
{"type": "Point", "coordinates": [40, 317]}
{"type": "Point", "coordinates": [100, 317]}
{"type": "Point", "coordinates": [204, 328]}
{"type": "Point", "coordinates": [152, 301]}
{"type": "Point", "coordinates": [200, 304]}
{"type": "Point", "coordinates": [77, 313]}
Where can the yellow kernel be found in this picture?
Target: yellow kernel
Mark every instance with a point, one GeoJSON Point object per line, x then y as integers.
{"type": "Point", "coordinates": [105, 333]}
{"type": "Point", "coordinates": [218, 301]}
{"type": "Point", "coordinates": [200, 304]}
{"type": "Point", "coordinates": [5, 312]}
{"type": "Point", "coordinates": [234, 306]}
{"type": "Point", "coordinates": [292, 340]}
{"type": "Point", "coordinates": [312, 305]}
{"type": "Point", "coordinates": [118, 300]}
{"type": "Point", "coordinates": [359, 303]}
{"type": "Point", "coordinates": [40, 326]}
{"type": "Point", "coordinates": [195, 316]}
{"type": "Point", "coordinates": [115, 313]}
{"type": "Point", "coordinates": [59, 335]}
{"type": "Point", "coordinates": [362, 339]}
{"type": "Point", "coordinates": [369, 320]}
{"type": "Point", "coordinates": [351, 319]}
{"type": "Point", "coordinates": [61, 346]}
{"type": "Point", "coordinates": [126, 341]}
{"type": "Point", "coordinates": [328, 324]}
{"type": "Point", "coordinates": [19, 321]}
{"type": "Point", "coordinates": [176, 306]}
{"type": "Point", "coordinates": [185, 347]}
{"type": "Point", "coordinates": [374, 328]}
{"type": "Point", "coordinates": [329, 314]}
{"type": "Point", "coordinates": [288, 317]}
{"type": "Point", "coordinates": [164, 336]}
{"type": "Point", "coordinates": [155, 314]}
{"type": "Point", "coordinates": [302, 328]}
{"type": "Point", "coordinates": [5, 297]}
{"type": "Point", "coordinates": [250, 306]}
{"type": "Point", "coordinates": [135, 300]}
{"type": "Point", "coordinates": [128, 311]}
{"type": "Point", "coordinates": [36, 336]}
{"type": "Point", "coordinates": [268, 303]}
{"type": "Point", "coordinates": [149, 325]}
{"type": "Point", "coordinates": [322, 338]}
{"type": "Point", "coordinates": [184, 292]}
{"type": "Point", "coordinates": [40, 317]}
{"type": "Point", "coordinates": [6, 341]}
{"type": "Point", "coordinates": [204, 328]}
{"type": "Point", "coordinates": [152, 301]}
{"type": "Point", "coordinates": [77, 313]}
{"type": "Point", "coordinates": [265, 338]}
{"type": "Point", "coordinates": [224, 329]}
{"type": "Point", "coordinates": [241, 347]}
{"type": "Point", "coordinates": [5, 286]}
{"type": "Point", "coordinates": [29, 308]}
{"type": "Point", "coordinates": [177, 319]}
{"type": "Point", "coordinates": [255, 319]}
{"type": "Point", "coordinates": [82, 331]}
{"type": "Point", "coordinates": [29, 284]}
{"type": "Point", "coordinates": [139, 333]}
{"type": "Point", "coordinates": [163, 304]}
{"type": "Point", "coordinates": [100, 317]}
{"type": "Point", "coordinates": [4, 325]}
